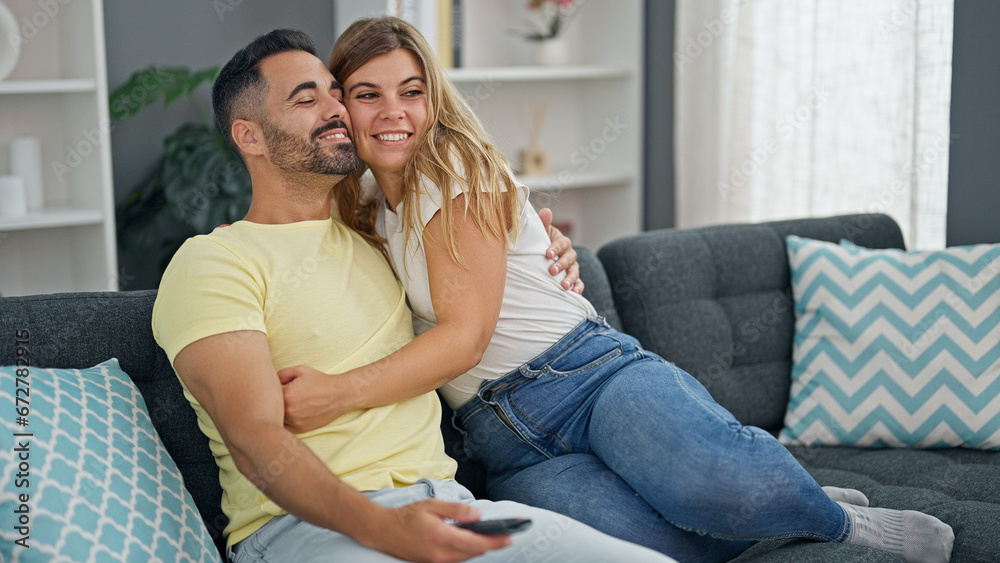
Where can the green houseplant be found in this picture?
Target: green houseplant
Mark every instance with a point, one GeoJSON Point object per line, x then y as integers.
{"type": "Point", "coordinates": [198, 183]}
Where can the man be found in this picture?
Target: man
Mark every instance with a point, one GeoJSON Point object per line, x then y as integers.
{"type": "Point", "coordinates": [288, 286]}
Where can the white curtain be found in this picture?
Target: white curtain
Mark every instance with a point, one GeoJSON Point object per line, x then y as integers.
{"type": "Point", "coordinates": [805, 108]}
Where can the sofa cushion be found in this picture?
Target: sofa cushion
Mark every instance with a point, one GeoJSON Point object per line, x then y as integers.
{"type": "Point", "coordinates": [596, 287]}
{"type": "Point", "coordinates": [79, 330]}
{"type": "Point", "coordinates": [959, 486]}
{"type": "Point", "coordinates": [717, 302]}
{"type": "Point", "coordinates": [92, 481]}
{"type": "Point", "coordinates": [894, 348]}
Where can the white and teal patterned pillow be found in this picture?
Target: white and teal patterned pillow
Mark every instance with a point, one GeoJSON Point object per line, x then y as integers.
{"type": "Point", "coordinates": [99, 484]}
{"type": "Point", "coordinates": [894, 348]}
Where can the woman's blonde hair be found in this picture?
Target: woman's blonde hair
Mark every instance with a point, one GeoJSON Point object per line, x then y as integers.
{"type": "Point", "coordinates": [454, 136]}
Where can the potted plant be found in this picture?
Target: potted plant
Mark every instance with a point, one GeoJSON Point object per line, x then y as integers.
{"type": "Point", "coordinates": [551, 18]}
{"type": "Point", "coordinates": [198, 183]}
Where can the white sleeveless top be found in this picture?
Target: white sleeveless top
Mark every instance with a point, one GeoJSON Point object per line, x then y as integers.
{"type": "Point", "coordinates": [536, 311]}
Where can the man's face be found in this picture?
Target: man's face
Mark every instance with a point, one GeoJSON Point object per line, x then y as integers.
{"type": "Point", "coordinates": [305, 125]}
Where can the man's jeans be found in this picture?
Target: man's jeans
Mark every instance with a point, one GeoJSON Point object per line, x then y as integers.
{"type": "Point", "coordinates": [616, 437]}
{"type": "Point", "coordinates": [552, 538]}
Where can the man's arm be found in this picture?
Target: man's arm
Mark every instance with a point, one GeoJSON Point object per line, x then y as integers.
{"type": "Point", "coordinates": [466, 303]}
{"type": "Point", "coordinates": [232, 377]}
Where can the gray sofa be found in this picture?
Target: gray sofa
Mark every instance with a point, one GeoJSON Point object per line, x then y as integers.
{"type": "Point", "coordinates": [685, 294]}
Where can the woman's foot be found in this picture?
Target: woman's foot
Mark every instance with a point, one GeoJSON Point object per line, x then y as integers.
{"type": "Point", "coordinates": [850, 496]}
{"type": "Point", "coordinates": [915, 536]}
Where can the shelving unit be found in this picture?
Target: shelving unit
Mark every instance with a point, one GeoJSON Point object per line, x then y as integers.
{"type": "Point", "coordinates": [58, 93]}
{"type": "Point", "coordinates": [592, 129]}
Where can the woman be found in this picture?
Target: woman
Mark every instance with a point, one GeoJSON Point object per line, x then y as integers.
{"type": "Point", "coordinates": [564, 412]}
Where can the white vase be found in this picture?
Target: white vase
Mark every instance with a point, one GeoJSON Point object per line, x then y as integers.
{"type": "Point", "coordinates": [552, 52]}
{"type": "Point", "coordinates": [10, 41]}
{"type": "Point", "coordinates": [13, 201]}
{"type": "Point", "coordinates": [26, 162]}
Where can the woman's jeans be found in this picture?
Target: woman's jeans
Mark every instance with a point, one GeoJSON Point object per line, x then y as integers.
{"type": "Point", "coordinates": [601, 430]}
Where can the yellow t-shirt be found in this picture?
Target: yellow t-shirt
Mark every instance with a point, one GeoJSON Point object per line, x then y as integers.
{"type": "Point", "coordinates": [325, 299]}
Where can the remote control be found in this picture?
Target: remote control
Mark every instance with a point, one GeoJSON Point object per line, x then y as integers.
{"type": "Point", "coordinates": [497, 527]}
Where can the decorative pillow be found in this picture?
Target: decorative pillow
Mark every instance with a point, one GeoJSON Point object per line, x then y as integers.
{"type": "Point", "coordinates": [894, 348]}
{"type": "Point", "coordinates": [84, 476]}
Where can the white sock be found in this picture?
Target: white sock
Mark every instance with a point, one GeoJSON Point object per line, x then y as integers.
{"type": "Point", "coordinates": [915, 536]}
{"type": "Point", "coordinates": [850, 496]}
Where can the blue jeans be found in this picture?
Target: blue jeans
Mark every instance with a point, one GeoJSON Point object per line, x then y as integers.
{"type": "Point", "coordinates": [614, 436]}
{"type": "Point", "coordinates": [552, 538]}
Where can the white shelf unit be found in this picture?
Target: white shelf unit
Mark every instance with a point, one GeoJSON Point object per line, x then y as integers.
{"type": "Point", "coordinates": [593, 127]}
{"type": "Point", "coordinates": [58, 93]}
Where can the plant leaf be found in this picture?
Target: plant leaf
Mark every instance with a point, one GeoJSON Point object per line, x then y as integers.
{"type": "Point", "coordinates": [175, 84]}
{"type": "Point", "coordinates": [199, 180]}
{"type": "Point", "coordinates": [147, 86]}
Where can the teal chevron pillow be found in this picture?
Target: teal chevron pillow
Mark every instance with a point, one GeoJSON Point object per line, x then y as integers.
{"type": "Point", "coordinates": [87, 479]}
{"type": "Point", "coordinates": [894, 348]}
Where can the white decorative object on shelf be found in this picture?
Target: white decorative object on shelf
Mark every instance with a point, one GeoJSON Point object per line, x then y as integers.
{"type": "Point", "coordinates": [549, 38]}
{"type": "Point", "coordinates": [12, 200]}
{"type": "Point", "coordinates": [26, 162]}
{"type": "Point", "coordinates": [10, 41]}
{"type": "Point", "coordinates": [552, 52]}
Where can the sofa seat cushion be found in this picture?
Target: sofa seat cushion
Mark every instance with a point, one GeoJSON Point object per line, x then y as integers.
{"type": "Point", "coordinates": [960, 486]}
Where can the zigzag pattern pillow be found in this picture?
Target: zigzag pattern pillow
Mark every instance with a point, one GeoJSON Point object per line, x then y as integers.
{"type": "Point", "coordinates": [894, 348]}
{"type": "Point", "coordinates": [88, 479]}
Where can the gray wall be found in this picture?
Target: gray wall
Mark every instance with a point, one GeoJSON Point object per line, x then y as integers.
{"type": "Point", "coordinates": [195, 34]}
{"type": "Point", "coordinates": [974, 162]}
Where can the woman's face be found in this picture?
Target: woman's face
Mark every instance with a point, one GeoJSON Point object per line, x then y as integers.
{"type": "Point", "coordinates": [387, 101]}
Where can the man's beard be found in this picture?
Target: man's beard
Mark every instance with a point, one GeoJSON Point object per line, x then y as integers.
{"type": "Point", "coordinates": [292, 154]}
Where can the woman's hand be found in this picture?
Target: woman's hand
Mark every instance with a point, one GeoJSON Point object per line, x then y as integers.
{"type": "Point", "coordinates": [310, 398]}
{"type": "Point", "coordinates": [561, 250]}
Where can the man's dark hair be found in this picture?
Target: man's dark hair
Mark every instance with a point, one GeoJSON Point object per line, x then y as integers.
{"type": "Point", "coordinates": [239, 89]}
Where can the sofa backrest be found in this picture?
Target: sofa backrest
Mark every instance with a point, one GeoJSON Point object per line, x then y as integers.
{"type": "Point", "coordinates": [717, 302]}
{"type": "Point", "coordinates": [80, 330]}
{"type": "Point", "coordinates": [596, 287]}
